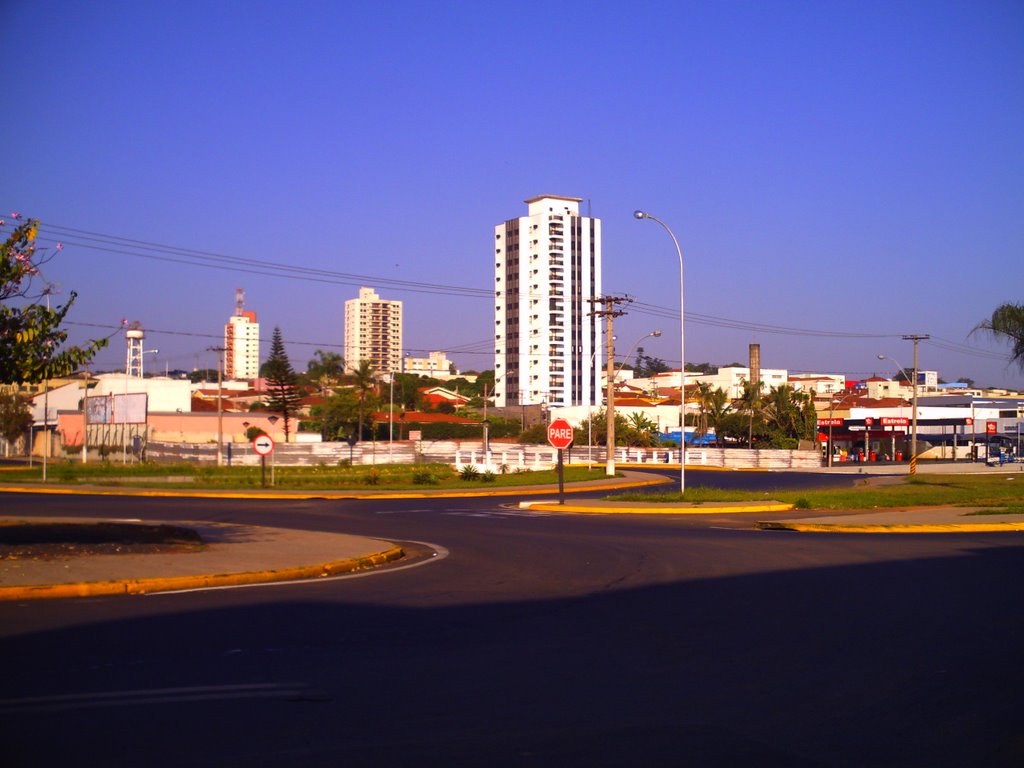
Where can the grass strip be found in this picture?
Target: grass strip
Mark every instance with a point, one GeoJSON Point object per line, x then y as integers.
{"type": "Point", "coordinates": [391, 477]}
{"type": "Point", "coordinates": [1003, 494]}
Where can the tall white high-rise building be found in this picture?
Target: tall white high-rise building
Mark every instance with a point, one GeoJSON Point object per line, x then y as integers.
{"type": "Point", "coordinates": [373, 332]}
{"type": "Point", "coordinates": [547, 341]}
{"type": "Point", "coordinates": [242, 342]}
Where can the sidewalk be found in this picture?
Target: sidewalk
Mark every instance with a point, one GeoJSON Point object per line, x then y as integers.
{"type": "Point", "coordinates": [233, 555]}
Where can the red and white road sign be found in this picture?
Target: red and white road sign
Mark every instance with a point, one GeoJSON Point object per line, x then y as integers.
{"type": "Point", "coordinates": [991, 427]}
{"type": "Point", "coordinates": [560, 434]}
{"type": "Point", "coordinates": [263, 445]}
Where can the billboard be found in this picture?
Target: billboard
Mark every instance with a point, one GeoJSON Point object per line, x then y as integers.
{"type": "Point", "coordinates": [117, 409]}
{"type": "Point", "coordinates": [97, 410]}
{"type": "Point", "coordinates": [130, 409]}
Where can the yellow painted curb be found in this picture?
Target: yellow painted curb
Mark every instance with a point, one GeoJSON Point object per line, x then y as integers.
{"type": "Point", "coordinates": [173, 583]}
{"type": "Point", "coordinates": [657, 509]}
{"type": "Point", "coordinates": [328, 495]}
{"type": "Point", "coordinates": [895, 528]}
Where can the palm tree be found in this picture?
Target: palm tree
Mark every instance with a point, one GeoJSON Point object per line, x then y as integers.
{"type": "Point", "coordinates": [703, 399]}
{"type": "Point", "coordinates": [365, 386]}
{"type": "Point", "coordinates": [641, 429]}
{"type": "Point", "coordinates": [325, 370]}
{"type": "Point", "coordinates": [716, 407]}
{"type": "Point", "coordinates": [1007, 323]}
{"type": "Point", "coordinates": [787, 410]}
{"type": "Point", "coordinates": [750, 401]}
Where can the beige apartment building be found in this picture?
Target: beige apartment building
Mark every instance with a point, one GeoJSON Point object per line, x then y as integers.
{"type": "Point", "coordinates": [373, 332]}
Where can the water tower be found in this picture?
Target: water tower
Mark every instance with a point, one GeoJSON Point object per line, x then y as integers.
{"type": "Point", "coordinates": [134, 334]}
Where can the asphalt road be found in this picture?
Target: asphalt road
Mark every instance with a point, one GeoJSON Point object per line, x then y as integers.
{"type": "Point", "coordinates": [539, 639]}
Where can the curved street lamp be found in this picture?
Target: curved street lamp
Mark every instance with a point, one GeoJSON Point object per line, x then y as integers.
{"type": "Point", "coordinates": [640, 215]}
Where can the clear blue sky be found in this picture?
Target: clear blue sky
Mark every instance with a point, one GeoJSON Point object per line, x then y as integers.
{"type": "Point", "coordinates": [836, 168]}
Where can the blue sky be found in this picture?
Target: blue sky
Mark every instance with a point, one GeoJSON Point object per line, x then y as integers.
{"type": "Point", "coordinates": [852, 172]}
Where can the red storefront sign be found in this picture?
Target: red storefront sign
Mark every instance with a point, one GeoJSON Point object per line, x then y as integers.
{"type": "Point", "coordinates": [894, 421]}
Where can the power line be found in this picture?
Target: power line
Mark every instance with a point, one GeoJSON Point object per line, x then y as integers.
{"type": "Point", "coordinates": [136, 248]}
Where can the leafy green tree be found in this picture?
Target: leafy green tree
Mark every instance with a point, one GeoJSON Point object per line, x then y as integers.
{"type": "Point", "coordinates": [1007, 324]}
{"type": "Point", "coordinates": [625, 431]}
{"type": "Point", "coordinates": [203, 374]}
{"type": "Point", "coordinates": [647, 366]}
{"type": "Point", "coordinates": [31, 340]}
{"type": "Point", "coordinates": [703, 368]}
{"type": "Point", "coordinates": [282, 392]}
{"type": "Point", "coordinates": [337, 417]}
{"type": "Point", "coordinates": [15, 416]}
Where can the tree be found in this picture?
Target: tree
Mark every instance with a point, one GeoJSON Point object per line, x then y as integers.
{"type": "Point", "coordinates": [789, 413]}
{"type": "Point", "coordinates": [325, 370]}
{"type": "Point", "coordinates": [750, 403]}
{"type": "Point", "coordinates": [203, 374]}
{"type": "Point", "coordinates": [15, 416]}
{"type": "Point", "coordinates": [641, 431]}
{"type": "Point", "coordinates": [714, 407]}
{"type": "Point", "coordinates": [337, 417]}
{"type": "Point", "coordinates": [31, 340]}
{"type": "Point", "coordinates": [647, 366]}
{"type": "Point", "coordinates": [366, 388]}
{"type": "Point", "coordinates": [281, 383]}
{"type": "Point", "coordinates": [1007, 324]}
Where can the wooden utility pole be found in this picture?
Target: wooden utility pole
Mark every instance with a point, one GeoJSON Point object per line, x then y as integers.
{"type": "Point", "coordinates": [609, 313]}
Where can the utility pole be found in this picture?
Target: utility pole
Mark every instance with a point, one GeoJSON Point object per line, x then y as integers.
{"type": "Point", "coordinates": [609, 313]}
{"type": "Point", "coordinates": [220, 402]}
{"type": "Point", "coordinates": [913, 422]}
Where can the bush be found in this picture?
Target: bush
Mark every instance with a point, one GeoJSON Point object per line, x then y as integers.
{"type": "Point", "coordinates": [372, 477]}
{"type": "Point", "coordinates": [469, 473]}
{"type": "Point", "coordinates": [488, 477]}
{"type": "Point", "coordinates": [425, 478]}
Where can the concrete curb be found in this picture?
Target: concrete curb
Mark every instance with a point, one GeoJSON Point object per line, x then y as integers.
{"type": "Point", "coordinates": [640, 508]}
{"type": "Point", "coordinates": [198, 581]}
{"type": "Point", "coordinates": [783, 525]}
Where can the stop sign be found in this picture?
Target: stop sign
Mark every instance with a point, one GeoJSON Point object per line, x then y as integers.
{"type": "Point", "coordinates": [560, 434]}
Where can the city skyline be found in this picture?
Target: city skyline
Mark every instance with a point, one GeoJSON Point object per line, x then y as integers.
{"type": "Point", "coordinates": [837, 177]}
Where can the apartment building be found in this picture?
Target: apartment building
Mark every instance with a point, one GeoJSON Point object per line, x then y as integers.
{"type": "Point", "coordinates": [242, 343]}
{"type": "Point", "coordinates": [547, 341]}
{"type": "Point", "coordinates": [373, 332]}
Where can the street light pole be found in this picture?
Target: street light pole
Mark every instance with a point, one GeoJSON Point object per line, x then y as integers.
{"type": "Point", "coordinates": [913, 429]}
{"type": "Point", "coordinates": [640, 215]}
{"type": "Point", "coordinates": [831, 407]}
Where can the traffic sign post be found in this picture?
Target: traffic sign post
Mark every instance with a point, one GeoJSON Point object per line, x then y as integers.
{"type": "Point", "coordinates": [560, 437]}
{"type": "Point", "coordinates": [264, 446]}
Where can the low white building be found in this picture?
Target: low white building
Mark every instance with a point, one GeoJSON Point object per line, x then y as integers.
{"type": "Point", "coordinates": [164, 395]}
{"type": "Point", "coordinates": [732, 380]}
